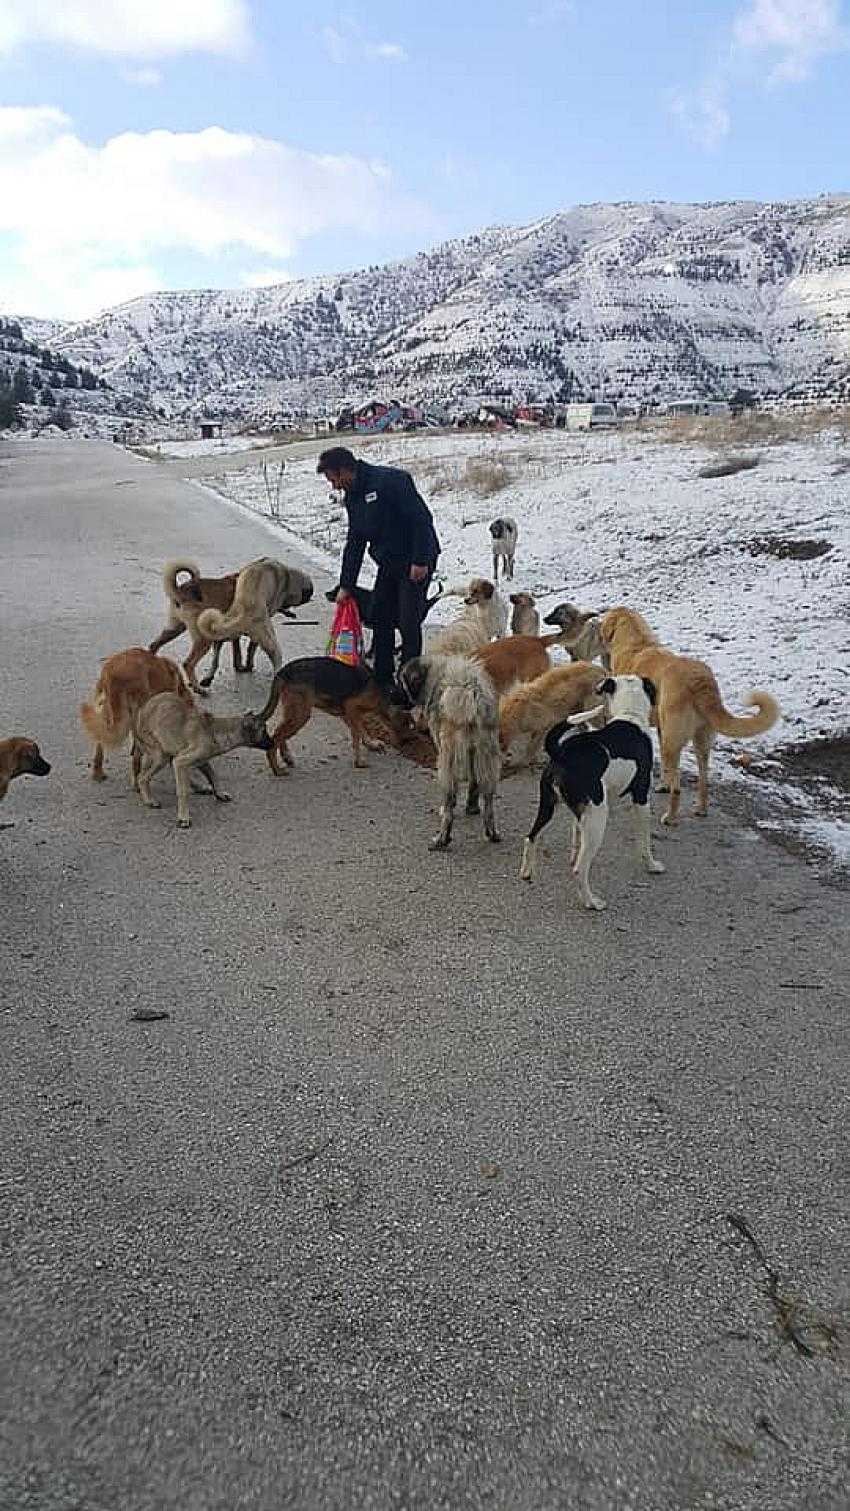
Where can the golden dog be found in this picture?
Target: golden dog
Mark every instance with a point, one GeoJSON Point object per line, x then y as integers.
{"type": "Point", "coordinates": [127, 680]}
{"type": "Point", "coordinates": [689, 707]}
{"type": "Point", "coordinates": [533, 708]}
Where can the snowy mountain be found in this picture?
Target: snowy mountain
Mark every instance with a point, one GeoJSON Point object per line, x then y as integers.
{"type": "Point", "coordinates": [639, 301]}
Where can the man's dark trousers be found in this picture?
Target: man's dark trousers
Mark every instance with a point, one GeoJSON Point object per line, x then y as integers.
{"type": "Point", "coordinates": [398, 603]}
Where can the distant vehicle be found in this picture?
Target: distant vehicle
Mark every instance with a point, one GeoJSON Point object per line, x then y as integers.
{"type": "Point", "coordinates": [591, 416]}
{"type": "Point", "coordinates": [685, 407]}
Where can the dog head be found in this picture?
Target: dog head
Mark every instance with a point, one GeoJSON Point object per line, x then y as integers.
{"type": "Point", "coordinates": [254, 732]}
{"type": "Point", "coordinates": [413, 676]}
{"type": "Point", "coordinates": [631, 698]}
{"type": "Point", "coordinates": [479, 591]}
{"type": "Point", "coordinates": [497, 529]}
{"type": "Point", "coordinates": [297, 588]}
{"type": "Point", "coordinates": [27, 758]}
{"type": "Point", "coordinates": [621, 629]}
{"type": "Point", "coordinates": [523, 601]}
{"type": "Point", "coordinates": [569, 618]}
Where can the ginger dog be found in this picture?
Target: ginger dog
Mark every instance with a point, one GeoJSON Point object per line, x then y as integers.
{"type": "Point", "coordinates": [532, 709]}
{"type": "Point", "coordinates": [689, 706]}
{"type": "Point", "coordinates": [126, 681]}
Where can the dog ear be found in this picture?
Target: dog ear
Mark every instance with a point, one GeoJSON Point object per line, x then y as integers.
{"type": "Point", "coordinates": [487, 590]}
{"type": "Point", "coordinates": [607, 688]}
{"type": "Point", "coordinates": [650, 690]}
{"type": "Point", "coordinates": [514, 597]}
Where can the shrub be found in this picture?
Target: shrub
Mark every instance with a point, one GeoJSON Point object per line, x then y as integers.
{"type": "Point", "coordinates": [729, 467]}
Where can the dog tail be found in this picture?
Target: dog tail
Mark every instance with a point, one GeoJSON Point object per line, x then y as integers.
{"type": "Point", "coordinates": [271, 703]}
{"type": "Point", "coordinates": [171, 571]}
{"type": "Point", "coordinates": [106, 718]}
{"type": "Point", "coordinates": [710, 704]}
{"type": "Point", "coordinates": [214, 625]}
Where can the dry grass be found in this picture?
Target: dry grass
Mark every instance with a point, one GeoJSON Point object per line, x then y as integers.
{"type": "Point", "coordinates": [754, 425]}
{"type": "Point", "coordinates": [729, 466]}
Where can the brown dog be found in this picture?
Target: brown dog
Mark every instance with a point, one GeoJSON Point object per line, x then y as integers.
{"type": "Point", "coordinates": [20, 756]}
{"type": "Point", "coordinates": [525, 619]}
{"type": "Point", "coordinates": [517, 658]}
{"type": "Point", "coordinates": [346, 692]}
{"type": "Point", "coordinates": [532, 709]}
{"type": "Point", "coordinates": [186, 600]}
{"type": "Point", "coordinates": [126, 682]}
{"type": "Point", "coordinates": [689, 706]}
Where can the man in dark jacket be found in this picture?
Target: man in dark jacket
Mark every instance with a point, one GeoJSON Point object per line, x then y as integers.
{"type": "Point", "coordinates": [386, 514]}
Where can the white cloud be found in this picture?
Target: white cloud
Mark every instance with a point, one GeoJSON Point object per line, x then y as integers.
{"type": "Point", "coordinates": [144, 78]}
{"type": "Point", "coordinates": [795, 33]}
{"type": "Point", "coordinates": [264, 278]}
{"type": "Point", "coordinates": [126, 28]}
{"type": "Point", "coordinates": [703, 112]}
{"type": "Point", "coordinates": [345, 41]}
{"type": "Point", "coordinates": [89, 224]}
{"type": "Point", "coordinates": [391, 52]}
{"type": "Point", "coordinates": [551, 13]}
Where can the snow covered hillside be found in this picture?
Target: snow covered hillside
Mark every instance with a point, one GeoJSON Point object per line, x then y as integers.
{"type": "Point", "coordinates": [748, 571]}
{"type": "Point", "coordinates": [639, 301]}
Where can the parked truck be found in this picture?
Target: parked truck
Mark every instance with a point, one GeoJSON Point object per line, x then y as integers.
{"type": "Point", "coordinates": [590, 416]}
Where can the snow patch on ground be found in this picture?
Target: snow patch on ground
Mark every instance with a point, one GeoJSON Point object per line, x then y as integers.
{"type": "Point", "coordinates": [625, 518]}
{"type": "Point", "coordinates": [218, 446]}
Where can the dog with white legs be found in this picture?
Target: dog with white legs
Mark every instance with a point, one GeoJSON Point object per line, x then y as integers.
{"type": "Point", "coordinates": [586, 768]}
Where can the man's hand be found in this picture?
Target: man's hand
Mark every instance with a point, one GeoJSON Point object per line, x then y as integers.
{"type": "Point", "coordinates": [342, 595]}
{"type": "Point", "coordinates": [418, 574]}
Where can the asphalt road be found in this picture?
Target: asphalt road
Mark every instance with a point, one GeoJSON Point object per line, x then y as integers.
{"type": "Point", "coordinates": [419, 1198]}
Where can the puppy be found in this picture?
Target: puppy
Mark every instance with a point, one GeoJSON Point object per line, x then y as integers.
{"type": "Point", "coordinates": [517, 658]}
{"type": "Point", "coordinates": [689, 707]}
{"type": "Point", "coordinates": [525, 619]}
{"type": "Point", "coordinates": [168, 729]}
{"type": "Point", "coordinates": [460, 705]}
{"type": "Point", "coordinates": [185, 601]}
{"type": "Point", "coordinates": [532, 709]}
{"type": "Point", "coordinates": [503, 536]}
{"type": "Point", "coordinates": [126, 681]}
{"type": "Point", "coordinates": [581, 632]}
{"type": "Point", "coordinates": [484, 618]}
{"type": "Point", "coordinates": [346, 692]}
{"type": "Point", "coordinates": [20, 756]}
{"type": "Point", "coordinates": [585, 768]}
{"type": "Point", "coordinates": [263, 588]}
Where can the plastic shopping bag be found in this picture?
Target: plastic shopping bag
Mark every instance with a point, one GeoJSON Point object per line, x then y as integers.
{"type": "Point", "coordinates": [346, 638]}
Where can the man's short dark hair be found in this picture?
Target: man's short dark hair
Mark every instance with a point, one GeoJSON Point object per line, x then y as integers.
{"type": "Point", "coordinates": [337, 459]}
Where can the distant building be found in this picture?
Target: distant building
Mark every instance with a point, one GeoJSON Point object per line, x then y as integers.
{"type": "Point", "coordinates": [686, 407]}
{"type": "Point", "coordinates": [210, 430]}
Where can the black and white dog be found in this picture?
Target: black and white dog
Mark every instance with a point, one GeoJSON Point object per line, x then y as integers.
{"type": "Point", "coordinates": [586, 768]}
{"type": "Point", "coordinates": [503, 538]}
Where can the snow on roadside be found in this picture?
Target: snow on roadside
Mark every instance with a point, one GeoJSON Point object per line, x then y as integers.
{"type": "Point", "coordinates": [218, 446]}
{"type": "Point", "coordinates": [625, 518]}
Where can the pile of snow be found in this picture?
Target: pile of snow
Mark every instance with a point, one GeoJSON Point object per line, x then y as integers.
{"type": "Point", "coordinates": [625, 518]}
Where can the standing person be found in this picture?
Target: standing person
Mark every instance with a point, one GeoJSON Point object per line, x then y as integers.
{"type": "Point", "coordinates": [385, 513]}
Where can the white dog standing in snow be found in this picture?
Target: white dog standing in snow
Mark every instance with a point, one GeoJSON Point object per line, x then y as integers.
{"type": "Point", "coordinates": [503, 534]}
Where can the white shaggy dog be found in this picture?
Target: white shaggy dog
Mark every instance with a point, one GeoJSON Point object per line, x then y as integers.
{"type": "Point", "coordinates": [586, 767]}
{"type": "Point", "coordinates": [503, 538]}
{"type": "Point", "coordinates": [460, 704]}
{"type": "Point", "coordinates": [484, 618]}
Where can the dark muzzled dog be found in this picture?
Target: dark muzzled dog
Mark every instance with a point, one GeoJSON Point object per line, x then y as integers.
{"type": "Point", "coordinates": [585, 769]}
{"type": "Point", "coordinates": [20, 756]}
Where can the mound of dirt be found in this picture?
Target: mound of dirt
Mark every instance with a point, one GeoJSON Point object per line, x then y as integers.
{"type": "Point", "coordinates": [786, 547]}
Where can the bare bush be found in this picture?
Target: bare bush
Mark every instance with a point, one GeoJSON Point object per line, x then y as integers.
{"type": "Point", "coordinates": [483, 477]}
{"type": "Point", "coordinates": [754, 426]}
{"type": "Point", "coordinates": [729, 466]}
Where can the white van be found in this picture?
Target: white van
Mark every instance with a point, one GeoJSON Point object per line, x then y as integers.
{"type": "Point", "coordinates": [590, 416]}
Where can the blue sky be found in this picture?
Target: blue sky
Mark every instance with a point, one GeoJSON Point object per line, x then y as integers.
{"type": "Point", "coordinates": [182, 143]}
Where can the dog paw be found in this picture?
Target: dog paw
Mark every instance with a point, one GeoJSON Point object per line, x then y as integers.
{"type": "Point", "coordinates": [494, 836]}
{"type": "Point", "coordinates": [656, 867]}
{"type": "Point", "coordinates": [439, 842]}
{"type": "Point", "coordinates": [202, 690]}
{"type": "Point", "coordinates": [184, 823]}
{"type": "Point", "coordinates": [670, 821]}
{"type": "Point", "coordinates": [595, 904]}
{"type": "Point", "coordinates": [700, 813]}
{"type": "Point", "coordinates": [98, 776]}
{"type": "Point", "coordinates": [222, 797]}
{"type": "Point", "coordinates": [662, 787]}
{"type": "Point", "coordinates": [472, 810]}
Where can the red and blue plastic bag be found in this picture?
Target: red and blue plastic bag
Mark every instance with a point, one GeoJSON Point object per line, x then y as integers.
{"type": "Point", "coordinates": [345, 642]}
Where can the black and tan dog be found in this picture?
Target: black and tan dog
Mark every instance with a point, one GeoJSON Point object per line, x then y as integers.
{"type": "Point", "coordinates": [20, 757]}
{"type": "Point", "coordinates": [345, 692]}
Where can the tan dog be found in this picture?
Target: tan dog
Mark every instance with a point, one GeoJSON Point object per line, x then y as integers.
{"type": "Point", "coordinates": [525, 619]}
{"type": "Point", "coordinates": [689, 707]}
{"type": "Point", "coordinates": [532, 709]}
{"type": "Point", "coordinates": [185, 602]}
{"type": "Point", "coordinates": [581, 632]}
{"type": "Point", "coordinates": [485, 616]}
{"type": "Point", "coordinates": [263, 588]}
{"type": "Point", "coordinates": [169, 729]}
{"type": "Point", "coordinates": [20, 756]}
{"type": "Point", "coordinates": [517, 658]}
{"type": "Point", "coordinates": [126, 681]}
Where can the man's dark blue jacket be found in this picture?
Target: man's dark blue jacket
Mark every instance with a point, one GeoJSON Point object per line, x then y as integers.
{"type": "Point", "coordinates": [386, 514]}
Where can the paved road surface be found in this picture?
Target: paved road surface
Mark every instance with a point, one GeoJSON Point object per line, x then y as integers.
{"type": "Point", "coordinates": [419, 1197]}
